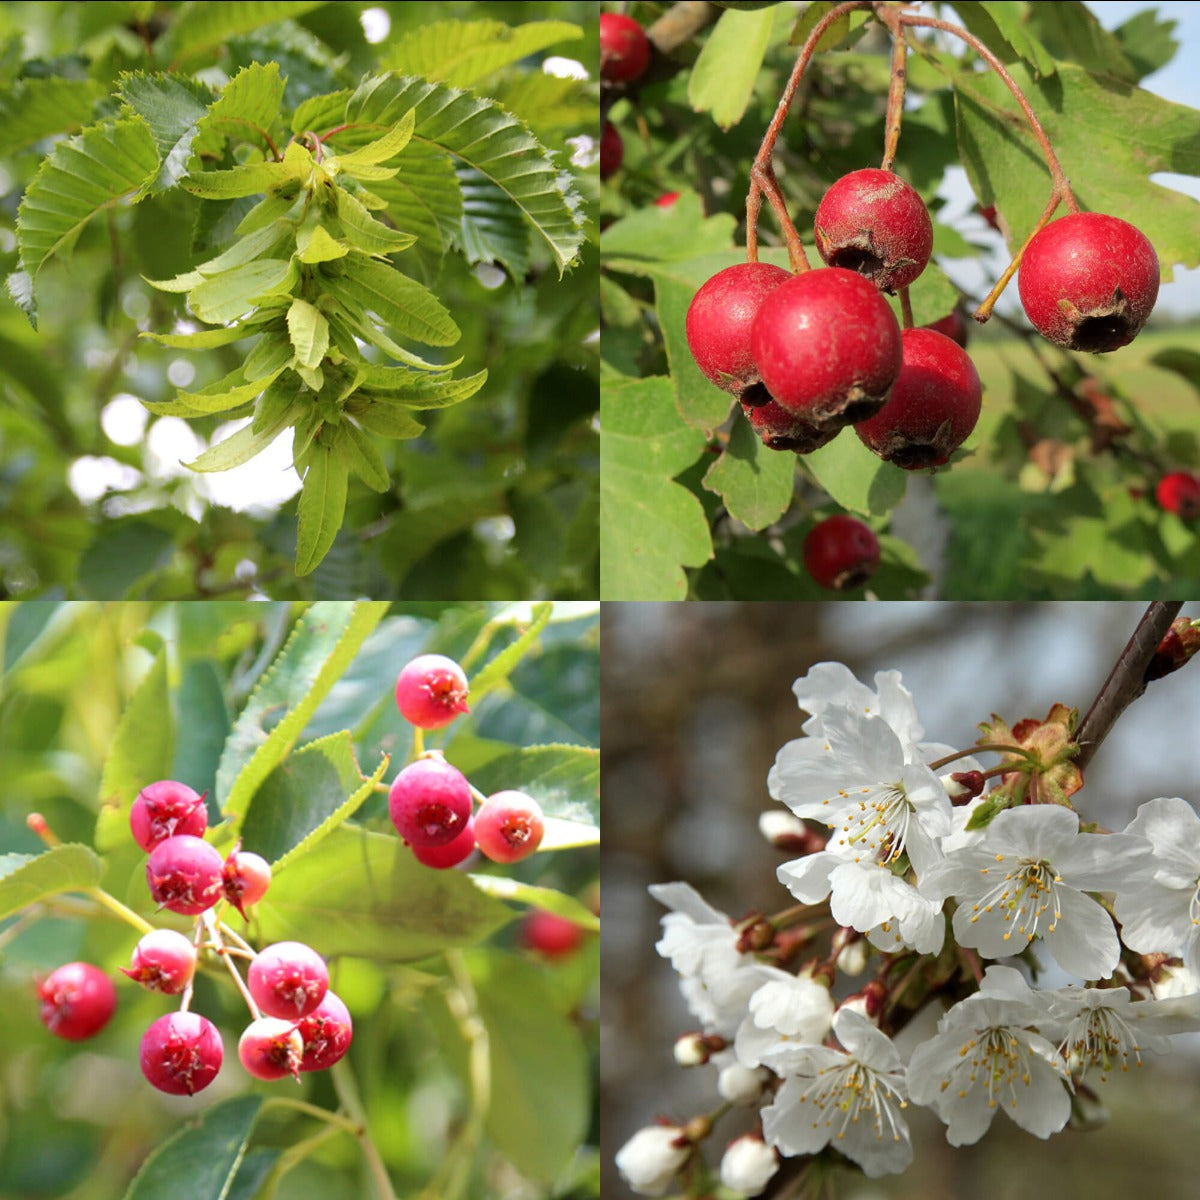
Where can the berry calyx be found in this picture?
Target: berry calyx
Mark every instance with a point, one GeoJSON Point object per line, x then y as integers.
{"type": "Point", "coordinates": [624, 48]}
{"type": "Point", "coordinates": [184, 875]}
{"type": "Point", "coordinates": [270, 1048]}
{"type": "Point", "coordinates": [77, 1000]}
{"type": "Point", "coordinates": [612, 150]}
{"type": "Point", "coordinates": [163, 961]}
{"type": "Point", "coordinates": [509, 826]}
{"type": "Point", "coordinates": [841, 552]}
{"type": "Point", "coordinates": [933, 407]}
{"type": "Point", "coordinates": [550, 935]}
{"type": "Point", "coordinates": [431, 691]}
{"type": "Point", "coordinates": [1088, 282]}
{"type": "Point", "coordinates": [429, 802]}
{"type": "Point", "coordinates": [782, 430]}
{"type": "Point", "coordinates": [166, 809]}
{"type": "Point", "coordinates": [326, 1033]}
{"type": "Point", "coordinates": [181, 1053]}
{"type": "Point", "coordinates": [827, 346]}
{"type": "Point", "coordinates": [873, 222]}
{"type": "Point", "coordinates": [1179, 492]}
{"type": "Point", "coordinates": [245, 877]}
{"type": "Point", "coordinates": [288, 980]}
{"type": "Point", "coordinates": [719, 320]}
{"type": "Point", "coordinates": [448, 854]}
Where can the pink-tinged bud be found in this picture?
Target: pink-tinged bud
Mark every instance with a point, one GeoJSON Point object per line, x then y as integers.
{"type": "Point", "coordinates": [869, 1002]}
{"type": "Point", "coordinates": [163, 961]}
{"type": "Point", "coordinates": [695, 1049]}
{"type": "Point", "coordinates": [963, 786]}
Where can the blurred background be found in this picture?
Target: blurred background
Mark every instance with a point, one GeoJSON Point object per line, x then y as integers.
{"type": "Point", "coordinates": [696, 701]}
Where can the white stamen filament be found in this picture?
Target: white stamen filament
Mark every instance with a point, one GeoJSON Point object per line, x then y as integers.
{"type": "Point", "coordinates": [850, 1089]}
{"type": "Point", "coordinates": [1026, 894]}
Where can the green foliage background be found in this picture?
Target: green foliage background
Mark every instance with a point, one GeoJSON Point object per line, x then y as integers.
{"type": "Point", "coordinates": [496, 500]}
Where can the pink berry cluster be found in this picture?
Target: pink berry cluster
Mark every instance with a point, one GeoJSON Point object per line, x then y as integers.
{"type": "Point", "coordinates": [431, 803]}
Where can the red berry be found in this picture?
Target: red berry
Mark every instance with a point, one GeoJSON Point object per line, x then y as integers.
{"type": "Point", "coordinates": [1179, 493]}
{"type": "Point", "coordinates": [953, 325]}
{"type": "Point", "coordinates": [270, 1048]}
{"type": "Point", "coordinates": [509, 826]}
{"type": "Point", "coordinates": [933, 406]}
{"type": "Point", "coordinates": [719, 320]}
{"type": "Point", "coordinates": [429, 802]}
{"type": "Point", "coordinates": [1088, 282]}
{"type": "Point", "coordinates": [624, 48]}
{"type": "Point", "coordinates": [612, 150]}
{"type": "Point", "coordinates": [872, 222]}
{"type": "Point", "coordinates": [326, 1033]}
{"type": "Point", "coordinates": [245, 878]}
{"type": "Point", "coordinates": [551, 935]}
{"type": "Point", "coordinates": [288, 980]}
{"type": "Point", "coordinates": [782, 430]}
{"type": "Point", "coordinates": [828, 347]}
{"type": "Point", "coordinates": [163, 961]}
{"type": "Point", "coordinates": [181, 1053]}
{"type": "Point", "coordinates": [841, 552]}
{"type": "Point", "coordinates": [431, 691]}
{"type": "Point", "coordinates": [451, 853]}
{"type": "Point", "coordinates": [667, 199]}
{"type": "Point", "coordinates": [184, 875]}
{"type": "Point", "coordinates": [166, 809]}
{"type": "Point", "coordinates": [77, 1001]}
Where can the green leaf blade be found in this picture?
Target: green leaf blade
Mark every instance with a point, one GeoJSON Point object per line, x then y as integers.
{"type": "Point", "coordinates": [27, 878]}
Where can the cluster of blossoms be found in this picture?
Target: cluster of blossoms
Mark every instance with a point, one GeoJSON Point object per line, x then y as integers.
{"type": "Point", "coordinates": [928, 877]}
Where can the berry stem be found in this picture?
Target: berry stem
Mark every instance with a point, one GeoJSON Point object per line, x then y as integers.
{"type": "Point", "coordinates": [895, 100]}
{"type": "Point", "coordinates": [762, 176]}
{"type": "Point", "coordinates": [418, 747]}
{"type": "Point", "coordinates": [218, 945]}
{"type": "Point", "coordinates": [313, 1110]}
{"type": "Point", "coordinates": [997, 747]}
{"type": "Point", "coordinates": [984, 311]}
{"type": "Point", "coordinates": [347, 1093]}
{"type": "Point", "coordinates": [115, 906]}
{"type": "Point", "coordinates": [906, 314]}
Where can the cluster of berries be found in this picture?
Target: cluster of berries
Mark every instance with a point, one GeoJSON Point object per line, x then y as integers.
{"type": "Point", "coordinates": [431, 803]}
{"type": "Point", "coordinates": [624, 56]}
{"type": "Point", "coordinates": [297, 1023]}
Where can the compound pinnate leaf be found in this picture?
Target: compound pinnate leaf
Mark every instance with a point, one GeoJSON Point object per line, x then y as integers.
{"type": "Point", "coordinates": [28, 878]}
{"type": "Point", "coordinates": [206, 1152]}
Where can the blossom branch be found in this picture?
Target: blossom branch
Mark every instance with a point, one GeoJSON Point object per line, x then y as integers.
{"type": "Point", "coordinates": [1126, 681]}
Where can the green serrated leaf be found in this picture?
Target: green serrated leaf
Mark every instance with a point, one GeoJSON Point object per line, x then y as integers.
{"type": "Point", "coordinates": [245, 249]}
{"type": "Point", "coordinates": [724, 76]}
{"type": "Point", "coordinates": [397, 385]}
{"type": "Point", "coordinates": [364, 232]}
{"type": "Point", "coordinates": [202, 339]}
{"type": "Point", "coordinates": [500, 667]}
{"type": "Point", "coordinates": [383, 420]}
{"type": "Point", "coordinates": [460, 52]}
{"type": "Point", "coordinates": [270, 355]}
{"type": "Point", "coordinates": [308, 331]}
{"type": "Point", "coordinates": [141, 752]}
{"type": "Point", "coordinates": [27, 878]}
{"type": "Point", "coordinates": [650, 526]}
{"type": "Point", "coordinates": [251, 178]}
{"type": "Point", "coordinates": [400, 303]}
{"type": "Point", "coordinates": [171, 107]}
{"type": "Point", "coordinates": [854, 477]}
{"type": "Point", "coordinates": [564, 780]}
{"type": "Point", "coordinates": [380, 150]}
{"type": "Point", "coordinates": [247, 109]}
{"type": "Point", "coordinates": [221, 396]}
{"type": "Point", "coordinates": [320, 647]}
{"type": "Point", "coordinates": [316, 246]}
{"type": "Point", "coordinates": [322, 506]}
{"type": "Point", "coordinates": [199, 27]}
{"type": "Point", "coordinates": [272, 207]}
{"type": "Point", "coordinates": [232, 294]}
{"type": "Point", "coordinates": [492, 230]}
{"type": "Point", "coordinates": [37, 108]}
{"type": "Point", "coordinates": [755, 483]}
{"type": "Point", "coordinates": [359, 454]}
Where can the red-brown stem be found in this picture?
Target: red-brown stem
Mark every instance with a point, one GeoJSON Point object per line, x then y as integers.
{"type": "Point", "coordinates": [905, 309]}
{"type": "Point", "coordinates": [895, 101]}
{"type": "Point", "coordinates": [984, 311]}
{"type": "Point", "coordinates": [762, 177]}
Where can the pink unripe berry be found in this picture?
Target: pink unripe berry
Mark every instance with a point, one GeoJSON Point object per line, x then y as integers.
{"type": "Point", "coordinates": [163, 961]}
{"type": "Point", "coordinates": [166, 809]}
{"type": "Point", "coordinates": [245, 878]}
{"type": "Point", "coordinates": [450, 853]}
{"type": "Point", "coordinates": [77, 1001]}
{"type": "Point", "coordinates": [429, 802]}
{"type": "Point", "coordinates": [326, 1033]}
{"type": "Point", "coordinates": [431, 691]}
{"type": "Point", "coordinates": [872, 222]}
{"type": "Point", "coordinates": [181, 1053]}
{"type": "Point", "coordinates": [509, 826]}
{"type": "Point", "coordinates": [184, 875]}
{"type": "Point", "coordinates": [288, 980]}
{"type": "Point", "coordinates": [270, 1048]}
{"type": "Point", "coordinates": [551, 935]}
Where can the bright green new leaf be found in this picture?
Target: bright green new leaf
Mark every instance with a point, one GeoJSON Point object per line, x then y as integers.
{"type": "Point", "coordinates": [364, 232]}
{"type": "Point", "coordinates": [242, 446]}
{"type": "Point", "coordinates": [504, 887]}
{"type": "Point", "coordinates": [27, 878]}
{"type": "Point", "coordinates": [377, 151]}
{"type": "Point", "coordinates": [226, 297]}
{"type": "Point", "coordinates": [499, 668]}
{"type": "Point", "coordinates": [724, 76]}
{"type": "Point", "coordinates": [361, 456]}
{"type": "Point", "coordinates": [417, 392]}
{"type": "Point", "coordinates": [202, 339]}
{"type": "Point", "coordinates": [384, 420]}
{"type": "Point", "coordinates": [402, 304]}
{"type": "Point", "coordinates": [247, 109]}
{"type": "Point", "coordinates": [200, 28]}
{"type": "Point", "coordinates": [271, 354]}
{"type": "Point", "coordinates": [321, 508]}
{"type": "Point", "coordinates": [252, 178]}
{"type": "Point", "coordinates": [755, 483]}
{"type": "Point", "coordinates": [221, 396]}
{"type": "Point", "coordinates": [316, 246]}
{"type": "Point", "coordinates": [245, 249]}
{"type": "Point", "coordinates": [309, 332]}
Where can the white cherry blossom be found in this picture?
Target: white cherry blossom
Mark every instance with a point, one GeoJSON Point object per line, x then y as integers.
{"type": "Point", "coordinates": [786, 1010]}
{"type": "Point", "coordinates": [651, 1159]}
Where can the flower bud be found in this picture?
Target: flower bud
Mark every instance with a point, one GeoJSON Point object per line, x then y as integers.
{"type": "Point", "coordinates": [869, 1001]}
{"type": "Point", "coordinates": [1182, 640]}
{"type": "Point", "coordinates": [651, 1159]}
{"type": "Point", "coordinates": [743, 1085]}
{"type": "Point", "coordinates": [695, 1049]}
{"type": "Point", "coordinates": [963, 786]}
{"type": "Point", "coordinates": [853, 957]}
{"type": "Point", "coordinates": [748, 1165]}
{"type": "Point", "coordinates": [787, 832]}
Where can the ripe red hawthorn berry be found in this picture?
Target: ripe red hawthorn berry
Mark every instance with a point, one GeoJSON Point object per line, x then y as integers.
{"type": "Point", "coordinates": [718, 325]}
{"type": "Point", "coordinates": [667, 199]}
{"type": "Point", "coordinates": [326, 1033]}
{"type": "Point", "coordinates": [827, 346]}
{"type": "Point", "coordinates": [612, 150]}
{"type": "Point", "coordinates": [429, 802]}
{"type": "Point", "coordinates": [624, 48]}
{"type": "Point", "coordinates": [1088, 282]}
{"type": "Point", "coordinates": [1179, 492]}
{"type": "Point", "coordinates": [873, 222]}
{"type": "Point", "coordinates": [288, 980]}
{"type": "Point", "coordinates": [184, 875]}
{"type": "Point", "coordinates": [181, 1053]}
{"type": "Point", "coordinates": [271, 1048]}
{"type": "Point", "coordinates": [841, 552]}
{"type": "Point", "coordinates": [550, 935]}
{"type": "Point", "coordinates": [431, 691]}
{"type": "Point", "coordinates": [165, 809]}
{"type": "Point", "coordinates": [77, 1001]}
{"type": "Point", "coordinates": [163, 961]}
{"type": "Point", "coordinates": [509, 826]}
{"type": "Point", "coordinates": [933, 406]}
{"type": "Point", "coordinates": [782, 430]}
